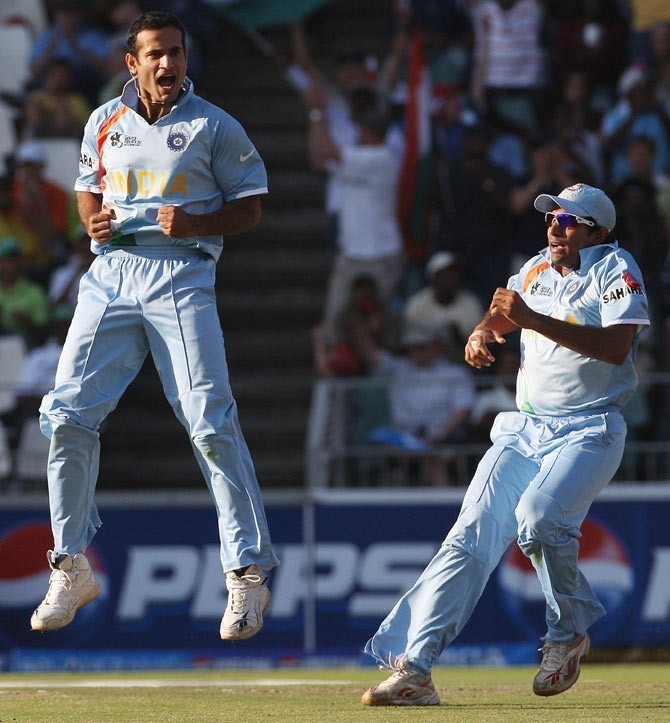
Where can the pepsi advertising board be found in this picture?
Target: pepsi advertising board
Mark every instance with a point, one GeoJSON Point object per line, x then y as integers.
{"type": "Point", "coordinates": [345, 561]}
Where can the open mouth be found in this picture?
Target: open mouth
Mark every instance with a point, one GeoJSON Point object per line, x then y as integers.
{"type": "Point", "coordinates": [167, 82]}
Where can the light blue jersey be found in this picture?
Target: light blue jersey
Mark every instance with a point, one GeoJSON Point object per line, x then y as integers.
{"type": "Point", "coordinates": [148, 293]}
{"type": "Point", "coordinates": [546, 465]}
{"type": "Point", "coordinates": [196, 157]}
{"type": "Point", "coordinates": [607, 289]}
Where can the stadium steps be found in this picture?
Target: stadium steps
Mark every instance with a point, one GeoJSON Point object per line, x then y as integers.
{"type": "Point", "coordinates": [271, 280]}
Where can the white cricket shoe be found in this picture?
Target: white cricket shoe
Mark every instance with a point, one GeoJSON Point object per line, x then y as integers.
{"type": "Point", "coordinates": [71, 585]}
{"type": "Point", "coordinates": [404, 687]}
{"type": "Point", "coordinates": [248, 598]}
{"type": "Point", "coordinates": [559, 668]}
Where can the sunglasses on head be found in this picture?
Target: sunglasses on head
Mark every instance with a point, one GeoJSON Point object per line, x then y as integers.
{"type": "Point", "coordinates": [567, 220]}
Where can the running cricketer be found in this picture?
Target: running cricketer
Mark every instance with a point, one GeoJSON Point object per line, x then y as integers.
{"type": "Point", "coordinates": [163, 175]}
{"type": "Point", "coordinates": [580, 304]}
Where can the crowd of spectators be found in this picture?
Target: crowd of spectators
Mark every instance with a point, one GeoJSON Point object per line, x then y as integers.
{"type": "Point", "coordinates": [75, 62]}
{"type": "Point", "coordinates": [528, 97]}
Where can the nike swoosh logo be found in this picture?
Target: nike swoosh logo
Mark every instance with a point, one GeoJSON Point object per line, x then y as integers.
{"type": "Point", "coordinates": [246, 156]}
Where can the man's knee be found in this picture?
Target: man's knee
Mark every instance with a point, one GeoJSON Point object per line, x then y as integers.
{"type": "Point", "coordinates": [478, 533]}
{"type": "Point", "coordinates": [540, 522]}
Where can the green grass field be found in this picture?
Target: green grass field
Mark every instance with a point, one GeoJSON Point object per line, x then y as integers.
{"type": "Point", "coordinates": [623, 693]}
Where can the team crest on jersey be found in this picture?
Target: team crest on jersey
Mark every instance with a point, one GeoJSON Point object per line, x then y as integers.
{"type": "Point", "coordinates": [177, 141]}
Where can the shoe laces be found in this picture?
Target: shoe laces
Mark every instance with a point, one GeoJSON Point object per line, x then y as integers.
{"type": "Point", "coordinates": [58, 580]}
{"type": "Point", "coordinates": [553, 655]}
{"type": "Point", "coordinates": [400, 667]}
{"type": "Point", "coordinates": [396, 663]}
{"type": "Point", "coordinates": [399, 674]}
{"type": "Point", "coordinates": [239, 592]}
{"type": "Point", "coordinates": [238, 599]}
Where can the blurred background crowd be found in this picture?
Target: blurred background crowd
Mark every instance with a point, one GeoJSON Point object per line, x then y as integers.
{"type": "Point", "coordinates": [488, 103]}
{"type": "Point", "coordinates": [432, 153]}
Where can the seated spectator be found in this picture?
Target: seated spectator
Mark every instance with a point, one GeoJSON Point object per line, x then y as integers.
{"type": "Point", "coordinates": [43, 206]}
{"type": "Point", "coordinates": [24, 306]}
{"type": "Point", "coordinates": [56, 110]}
{"type": "Point", "coordinates": [577, 102]}
{"type": "Point", "coordinates": [509, 145]}
{"type": "Point", "coordinates": [636, 114]}
{"type": "Point", "coordinates": [444, 306]}
{"type": "Point", "coordinates": [70, 37]}
{"type": "Point", "coordinates": [552, 170]}
{"type": "Point", "coordinates": [363, 320]}
{"type": "Point", "coordinates": [452, 118]}
{"type": "Point", "coordinates": [640, 154]}
{"type": "Point", "coordinates": [430, 397]}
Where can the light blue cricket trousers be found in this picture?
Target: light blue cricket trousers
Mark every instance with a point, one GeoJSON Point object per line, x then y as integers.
{"type": "Point", "coordinates": [158, 299]}
{"type": "Point", "coordinates": [536, 483]}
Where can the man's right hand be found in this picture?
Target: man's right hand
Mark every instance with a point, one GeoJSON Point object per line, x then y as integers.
{"type": "Point", "coordinates": [99, 225]}
{"type": "Point", "coordinates": [477, 353]}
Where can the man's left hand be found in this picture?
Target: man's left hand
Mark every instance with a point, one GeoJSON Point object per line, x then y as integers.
{"type": "Point", "coordinates": [510, 305]}
{"type": "Point", "coordinates": [175, 222]}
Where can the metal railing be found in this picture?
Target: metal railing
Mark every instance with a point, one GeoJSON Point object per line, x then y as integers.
{"type": "Point", "coordinates": [339, 454]}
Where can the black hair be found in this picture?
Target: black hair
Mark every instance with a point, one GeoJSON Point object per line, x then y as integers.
{"type": "Point", "coordinates": [153, 20]}
{"type": "Point", "coordinates": [374, 120]}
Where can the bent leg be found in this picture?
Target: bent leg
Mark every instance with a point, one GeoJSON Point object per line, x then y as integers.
{"type": "Point", "coordinates": [434, 611]}
{"type": "Point", "coordinates": [585, 456]}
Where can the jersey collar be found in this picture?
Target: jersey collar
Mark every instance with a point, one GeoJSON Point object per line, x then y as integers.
{"type": "Point", "coordinates": [588, 256]}
{"type": "Point", "coordinates": [130, 98]}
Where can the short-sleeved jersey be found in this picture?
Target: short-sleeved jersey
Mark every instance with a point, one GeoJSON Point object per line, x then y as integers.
{"type": "Point", "coordinates": [607, 289]}
{"type": "Point", "coordinates": [196, 157]}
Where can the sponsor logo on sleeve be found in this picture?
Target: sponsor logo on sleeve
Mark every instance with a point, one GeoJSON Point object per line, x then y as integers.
{"type": "Point", "coordinates": [629, 287]}
{"type": "Point", "coordinates": [89, 162]}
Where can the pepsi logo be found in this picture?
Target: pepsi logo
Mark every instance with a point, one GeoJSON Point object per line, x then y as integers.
{"type": "Point", "coordinates": [24, 579]}
{"type": "Point", "coordinates": [604, 561]}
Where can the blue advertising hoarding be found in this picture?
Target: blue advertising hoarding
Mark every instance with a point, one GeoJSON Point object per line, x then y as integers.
{"type": "Point", "coordinates": [346, 558]}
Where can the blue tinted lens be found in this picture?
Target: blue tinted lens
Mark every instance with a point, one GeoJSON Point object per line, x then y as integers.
{"type": "Point", "coordinates": [564, 220]}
